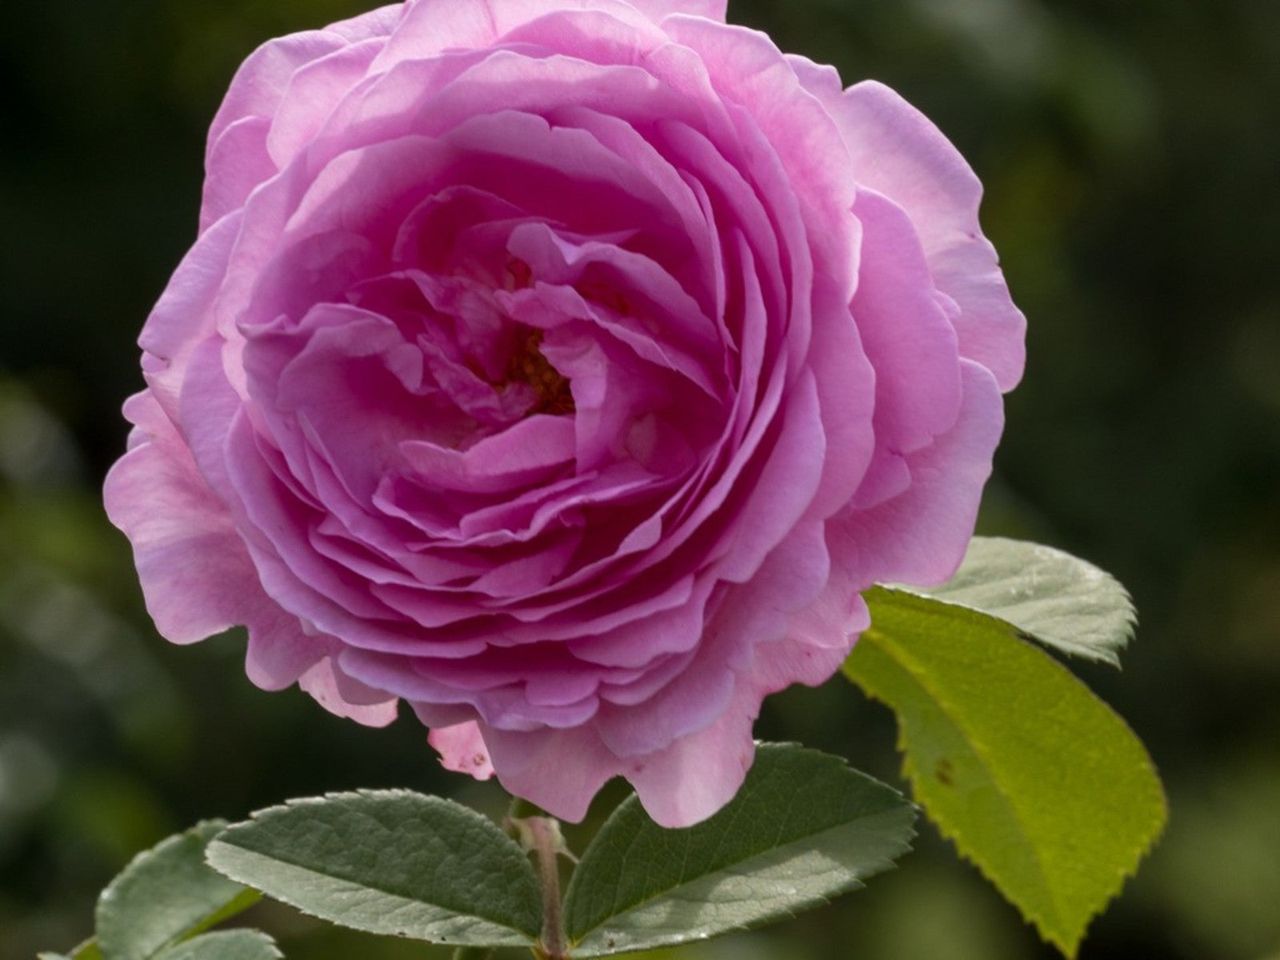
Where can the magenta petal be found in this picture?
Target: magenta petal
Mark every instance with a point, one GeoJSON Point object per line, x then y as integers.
{"type": "Point", "coordinates": [344, 698]}
{"type": "Point", "coordinates": [898, 152]}
{"type": "Point", "coordinates": [785, 487]}
{"type": "Point", "coordinates": [559, 770]}
{"type": "Point", "coordinates": [711, 9]}
{"type": "Point", "coordinates": [261, 81]}
{"type": "Point", "coordinates": [529, 450]}
{"type": "Point", "coordinates": [280, 651]}
{"type": "Point", "coordinates": [907, 335]}
{"type": "Point", "coordinates": [196, 575]}
{"type": "Point", "coordinates": [379, 22]}
{"type": "Point", "coordinates": [313, 91]}
{"type": "Point", "coordinates": [640, 642]}
{"type": "Point", "coordinates": [238, 162]}
{"type": "Point", "coordinates": [920, 536]}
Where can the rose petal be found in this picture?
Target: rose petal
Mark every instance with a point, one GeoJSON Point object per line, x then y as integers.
{"type": "Point", "coordinates": [462, 749]}
{"type": "Point", "coordinates": [898, 152]}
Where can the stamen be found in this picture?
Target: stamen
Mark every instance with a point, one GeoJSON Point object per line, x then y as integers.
{"type": "Point", "coordinates": [528, 365]}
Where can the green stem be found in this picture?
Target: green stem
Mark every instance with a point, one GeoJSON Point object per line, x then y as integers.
{"type": "Point", "coordinates": [545, 842]}
{"type": "Point", "coordinates": [522, 809]}
{"type": "Point", "coordinates": [472, 953]}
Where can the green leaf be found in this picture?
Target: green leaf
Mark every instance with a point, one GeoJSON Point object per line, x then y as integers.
{"type": "Point", "coordinates": [803, 828]}
{"type": "Point", "coordinates": [389, 862]}
{"type": "Point", "coordinates": [86, 951]}
{"type": "Point", "coordinates": [165, 895]}
{"type": "Point", "coordinates": [228, 945]}
{"type": "Point", "coordinates": [1047, 595]}
{"type": "Point", "coordinates": [1036, 780]}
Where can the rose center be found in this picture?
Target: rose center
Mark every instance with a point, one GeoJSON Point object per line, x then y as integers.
{"type": "Point", "coordinates": [528, 365]}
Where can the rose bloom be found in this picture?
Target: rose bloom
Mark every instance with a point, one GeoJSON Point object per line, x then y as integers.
{"type": "Point", "coordinates": [563, 368]}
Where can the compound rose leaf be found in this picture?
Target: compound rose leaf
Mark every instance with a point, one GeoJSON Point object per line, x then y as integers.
{"type": "Point", "coordinates": [1036, 780]}
{"type": "Point", "coordinates": [1046, 594]}
{"type": "Point", "coordinates": [389, 862]}
{"type": "Point", "coordinates": [803, 829]}
{"type": "Point", "coordinates": [227, 945]}
{"type": "Point", "coordinates": [163, 896]}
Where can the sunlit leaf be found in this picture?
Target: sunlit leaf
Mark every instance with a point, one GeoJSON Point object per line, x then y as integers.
{"type": "Point", "coordinates": [1048, 595]}
{"type": "Point", "coordinates": [1036, 780]}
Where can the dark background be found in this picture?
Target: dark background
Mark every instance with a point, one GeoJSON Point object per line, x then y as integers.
{"type": "Point", "coordinates": [1131, 153]}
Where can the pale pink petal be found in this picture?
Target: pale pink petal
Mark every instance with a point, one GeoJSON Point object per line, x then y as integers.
{"type": "Point", "coordinates": [196, 575]}
{"type": "Point", "coordinates": [905, 331]}
{"type": "Point", "coordinates": [696, 775]}
{"type": "Point", "coordinates": [920, 536]}
{"type": "Point", "coordinates": [559, 770]}
{"type": "Point", "coordinates": [898, 152]}
{"type": "Point", "coordinates": [341, 697]}
{"type": "Point", "coordinates": [711, 9]}
{"type": "Point", "coordinates": [280, 651]}
{"type": "Point", "coordinates": [261, 81]}
{"type": "Point", "coordinates": [430, 28]}
{"type": "Point", "coordinates": [312, 92]}
{"type": "Point", "coordinates": [379, 22]}
{"type": "Point", "coordinates": [462, 749]}
{"type": "Point", "coordinates": [238, 162]}
{"type": "Point", "coordinates": [182, 320]}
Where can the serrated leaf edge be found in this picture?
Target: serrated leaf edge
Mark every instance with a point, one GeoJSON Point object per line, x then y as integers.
{"type": "Point", "coordinates": [135, 863]}
{"type": "Point", "coordinates": [393, 793]}
{"type": "Point", "coordinates": [220, 934]}
{"type": "Point", "coordinates": [1069, 947]}
{"type": "Point", "coordinates": [875, 867]}
{"type": "Point", "coordinates": [1107, 655]}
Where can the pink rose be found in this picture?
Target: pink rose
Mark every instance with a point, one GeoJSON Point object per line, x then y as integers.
{"type": "Point", "coordinates": [564, 368]}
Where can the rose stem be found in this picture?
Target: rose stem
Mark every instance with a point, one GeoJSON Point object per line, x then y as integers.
{"type": "Point", "coordinates": [472, 953]}
{"type": "Point", "coordinates": [546, 847]}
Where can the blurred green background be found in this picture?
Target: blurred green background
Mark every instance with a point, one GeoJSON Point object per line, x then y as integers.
{"type": "Point", "coordinates": [1131, 153]}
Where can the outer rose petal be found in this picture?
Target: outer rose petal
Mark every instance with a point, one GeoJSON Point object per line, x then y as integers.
{"type": "Point", "coordinates": [194, 570]}
{"type": "Point", "coordinates": [344, 697]}
{"type": "Point", "coordinates": [711, 9]}
{"type": "Point", "coordinates": [689, 778]}
{"type": "Point", "coordinates": [462, 749]}
{"type": "Point", "coordinates": [182, 318]}
{"type": "Point", "coordinates": [898, 152]}
{"type": "Point", "coordinates": [378, 22]}
{"type": "Point", "coordinates": [920, 536]}
{"type": "Point", "coordinates": [695, 776]}
{"type": "Point", "coordinates": [262, 79]}
{"type": "Point", "coordinates": [197, 578]}
{"type": "Point", "coordinates": [238, 162]}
